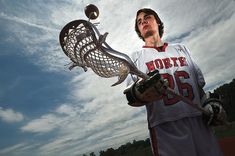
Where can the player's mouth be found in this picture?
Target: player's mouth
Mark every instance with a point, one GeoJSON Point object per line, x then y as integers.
{"type": "Point", "coordinates": [145, 27]}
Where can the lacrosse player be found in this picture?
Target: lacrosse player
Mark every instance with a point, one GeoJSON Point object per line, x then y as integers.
{"type": "Point", "coordinates": [176, 129]}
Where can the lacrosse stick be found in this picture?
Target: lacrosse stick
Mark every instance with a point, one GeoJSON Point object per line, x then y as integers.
{"type": "Point", "coordinates": [86, 47]}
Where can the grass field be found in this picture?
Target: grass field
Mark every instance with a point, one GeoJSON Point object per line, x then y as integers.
{"type": "Point", "coordinates": [224, 132]}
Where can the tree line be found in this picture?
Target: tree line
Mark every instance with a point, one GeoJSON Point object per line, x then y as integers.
{"type": "Point", "coordinates": [136, 148]}
{"type": "Point", "coordinates": [227, 91]}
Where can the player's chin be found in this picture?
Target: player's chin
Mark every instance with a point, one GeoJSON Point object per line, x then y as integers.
{"type": "Point", "coordinates": [148, 33]}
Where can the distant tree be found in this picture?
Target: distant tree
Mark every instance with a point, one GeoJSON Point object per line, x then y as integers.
{"type": "Point", "coordinates": [110, 152]}
{"type": "Point", "coordinates": [136, 148]}
{"type": "Point", "coordinates": [102, 153]}
{"type": "Point", "coordinates": [122, 150]}
{"type": "Point", "coordinates": [228, 95]}
{"type": "Point", "coordinates": [146, 142]}
{"type": "Point", "coordinates": [92, 154]}
{"type": "Point", "coordinates": [84, 155]}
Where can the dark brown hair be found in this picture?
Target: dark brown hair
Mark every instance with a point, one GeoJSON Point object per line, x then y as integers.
{"type": "Point", "coordinates": [149, 12]}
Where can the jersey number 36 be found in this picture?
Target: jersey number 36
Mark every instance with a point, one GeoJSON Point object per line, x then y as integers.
{"type": "Point", "coordinates": [184, 88]}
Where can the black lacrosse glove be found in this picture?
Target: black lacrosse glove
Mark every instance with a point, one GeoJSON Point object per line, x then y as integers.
{"type": "Point", "coordinates": [145, 91]}
{"type": "Point", "coordinates": [214, 106]}
{"type": "Point", "coordinates": [155, 80]}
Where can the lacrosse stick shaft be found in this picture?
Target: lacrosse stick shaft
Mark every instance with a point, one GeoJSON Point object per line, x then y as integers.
{"type": "Point", "coordinates": [186, 100]}
{"type": "Point", "coordinates": [196, 106]}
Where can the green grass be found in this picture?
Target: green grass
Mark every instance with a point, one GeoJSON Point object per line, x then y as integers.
{"type": "Point", "coordinates": [222, 132]}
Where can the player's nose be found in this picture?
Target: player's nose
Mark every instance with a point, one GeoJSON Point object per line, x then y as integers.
{"type": "Point", "coordinates": [144, 21]}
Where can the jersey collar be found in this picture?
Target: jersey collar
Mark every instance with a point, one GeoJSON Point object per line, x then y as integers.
{"type": "Point", "coordinates": [159, 49]}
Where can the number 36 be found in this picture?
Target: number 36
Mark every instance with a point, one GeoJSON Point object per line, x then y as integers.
{"type": "Point", "coordinates": [184, 88]}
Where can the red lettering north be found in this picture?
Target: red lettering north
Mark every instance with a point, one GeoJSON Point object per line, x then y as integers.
{"type": "Point", "coordinates": [167, 63]}
{"type": "Point", "coordinates": [182, 61]}
{"type": "Point", "coordinates": [158, 63]}
{"type": "Point", "coordinates": [174, 59]}
{"type": "Point", "coordinates": [150, 66]}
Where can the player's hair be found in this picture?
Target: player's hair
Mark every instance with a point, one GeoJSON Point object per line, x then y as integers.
{"type": "Point", "coordinates": [149, 12]}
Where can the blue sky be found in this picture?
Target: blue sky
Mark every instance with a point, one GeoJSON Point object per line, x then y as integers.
{"type": "Point", "coordinates": [45, 109]}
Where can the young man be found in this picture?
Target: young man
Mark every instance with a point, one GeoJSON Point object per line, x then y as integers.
{"type": "Point", "coordinates": [176, 129]}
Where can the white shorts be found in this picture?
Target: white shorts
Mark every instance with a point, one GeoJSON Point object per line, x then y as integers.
{"type": "Point", "coordinates": [184, 137]}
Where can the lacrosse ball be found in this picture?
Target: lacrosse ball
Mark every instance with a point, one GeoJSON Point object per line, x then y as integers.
{"type": "Point", "coordinates": [91, 11]}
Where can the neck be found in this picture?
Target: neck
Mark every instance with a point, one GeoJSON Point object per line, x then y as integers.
{"type": "Point", "coordinates": [153, 41]}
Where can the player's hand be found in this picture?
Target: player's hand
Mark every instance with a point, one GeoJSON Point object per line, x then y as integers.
{"type": "Point", "coordinates": [214, 105]}
{"type": "Point", "coordinates": [146, 91]}
{"type": "Point", "coordinates": [151, 89]}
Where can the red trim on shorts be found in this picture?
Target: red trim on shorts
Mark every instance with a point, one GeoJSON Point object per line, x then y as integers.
{"type": "Point", "coordinates": [154, 142]}
{"type": "Point", "coordinates": [159, 49]}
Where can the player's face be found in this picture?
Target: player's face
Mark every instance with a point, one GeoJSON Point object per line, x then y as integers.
{"type": "Point", "coordinates": [147, 25]}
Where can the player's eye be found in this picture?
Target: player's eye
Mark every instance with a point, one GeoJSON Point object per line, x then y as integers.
{"type": "Point", "coordinates": [146, 17]}
{"type": "Point", "coordinates": [139, 22]}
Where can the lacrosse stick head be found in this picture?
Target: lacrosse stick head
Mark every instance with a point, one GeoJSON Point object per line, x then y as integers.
{"type": "Point", "coordinates": [83, 44]}
{"type": "Point", "coordinates": [86, 47]}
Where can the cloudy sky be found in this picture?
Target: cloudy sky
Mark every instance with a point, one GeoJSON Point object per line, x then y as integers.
{"type": "Point", "coordinates": [45, 109]}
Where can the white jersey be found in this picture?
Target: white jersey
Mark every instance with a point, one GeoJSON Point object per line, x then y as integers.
{"type": "Point", "coordinates": [176, 66]}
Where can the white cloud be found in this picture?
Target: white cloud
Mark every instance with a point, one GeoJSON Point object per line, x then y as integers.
{"type": "Point", "coordinates": [65, 109]}
{"type": "Point", "coordinates": [212, 50]}
{"type": "Point", "coordinates": [100, 117]}
{"type": "Point", "coordinates": [10, 116]}
{"type": "Point", "coordinates": [26, 22]}
{"type": "Point", "coordinates": [44, 124]}
{"type": "Point", "coordinates": [12, 148]}
{"type": "Point", "coordinates": [23, 148]}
